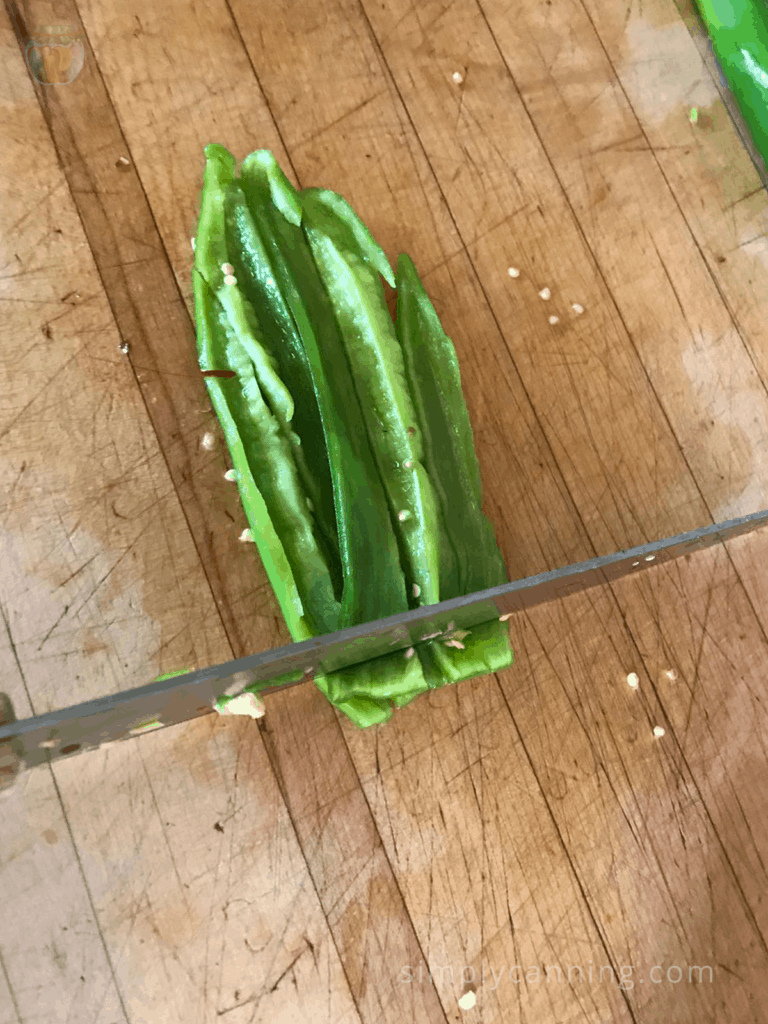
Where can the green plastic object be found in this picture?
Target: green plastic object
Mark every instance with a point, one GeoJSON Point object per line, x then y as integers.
{"type": "Point", "coordinates": [738, 30]}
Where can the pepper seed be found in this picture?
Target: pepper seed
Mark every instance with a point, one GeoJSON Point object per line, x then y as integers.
{"type": "Point", "coordinates": [577, 308]}
{"type": "Point", "coordinates": [229, 279]}
{"type": "Point", "coordinates": [416, 590]}
{"type": "Point", "coordinates": [634, 680]}
{"type": "Point", "coordinates": [410, 652]}
{"type": "Point", "coordinates": [230, 475]}
{"type": "Point", "coordinates": [408, 464]}
{"type": "Point", "coordinates": [457, 77]}
{"type": "Point", "coordinates": [227, 268]}
{"type": "Point", "coordinates": [545, 293]}
{"type": "Point", "coordinates": [513, 272]}
{"type": "Point", "coordinates": [246, 536]}
{"type": "Point", "coordinates": [658, 731]}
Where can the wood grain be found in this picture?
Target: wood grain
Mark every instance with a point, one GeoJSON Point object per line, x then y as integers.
{"type": "Point", "coordinates": [298, 868]}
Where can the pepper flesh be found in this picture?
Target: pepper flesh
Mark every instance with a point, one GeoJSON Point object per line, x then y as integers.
{"type": "Point", "coordinates": [225, 337]}
{"type": "Point", "coordinates": [350, 263]}
{"type": "Point", "coordinates": [255, 274]}
{"type": "Point", "coordinates": [307, 317]}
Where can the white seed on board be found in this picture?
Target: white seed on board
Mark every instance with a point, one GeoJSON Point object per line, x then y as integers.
{"type": "Point", "coordinates": [416, 589]}
{"type": "Point", "coordinates": [408, 464]}
{"type": "Point", "coordinates": [208, 441]}
{"type": "Point", "coordinates": [649, 558]}
{"type": "Point", "coordinates": [124, 161]}
{"type": "Point", "coordinates": [545, 293]}
{"type": "Point", "coordinates": [658, 731]}
{"type": "Point", "coordinates": [245, 536]}
{"type": "Point", "coordinates": [227, 268]}
{"type": "Point", "coordinates": [505, 616]}
{"type": "Point", "coordinates": [124, 348]}
{"type": "Point", "coordinates": [410, 652]}
{"type": "Point", "coordinates": [634, 680]}
{"type": "Point", "coordinates": [468, 1000]}
{"type": "Point", "coordinates": [230, 279]}
{"type": "Point", "coordinates": [192, 241]}
{"type": "Point", "coordinates": [308, 670]}
{"type": "Point", "coordinates": [513, 272]}
{"type": "Point", "coordinates": [230, 475]}
{"type": "Point", "coordinates": [457, 77]}
{"type": "Point", "coordinates": [635, 563]}
{"type": "Point", "coordinates": [671, 673]}
{"type": "Point", "coordinates": [577, 308]}
{"type": "Point", "coordinates": [554, 319]}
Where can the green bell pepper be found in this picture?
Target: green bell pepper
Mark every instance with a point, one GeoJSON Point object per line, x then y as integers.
{"type": "Point", "coordinates": [351, 442]}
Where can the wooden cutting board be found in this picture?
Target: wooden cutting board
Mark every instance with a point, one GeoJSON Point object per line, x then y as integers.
{"type": "Point", "coordinates": [523, 836]}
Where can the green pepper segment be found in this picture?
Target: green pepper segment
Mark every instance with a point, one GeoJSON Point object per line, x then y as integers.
{"type": "Point", "coordinates": [364, 693]}
{"type": "Point", "coordinates": [211, 258]}
{"type": "Point", "coordinates": [269, 544]}
{"type": "Point", "coordinates": [261, 167]}
{"type": "Point", "coordinates": [246, 229]}
{"type": "Point", "coordinates": [376, 362]}
{"type": "Point", "coordinates": [271, 459]}
{"type": "Point", "coordinates": [432, 370]}
{"type": "Point", "coordinates": [374, 585]}
{"type": "Point", "coordinates": [348, 231]}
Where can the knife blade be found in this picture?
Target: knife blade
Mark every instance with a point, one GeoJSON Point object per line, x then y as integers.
{"type": "Point", "coordinates": [57, 734]}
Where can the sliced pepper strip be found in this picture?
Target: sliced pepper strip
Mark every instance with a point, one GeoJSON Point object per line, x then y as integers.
{"type": "Point", "coordinates": [434, 379]}
{"type": "Point", "coordinates": [245, 229]}
{"type": "Point", "coordinates": [211, 256]}
{"type": "Point", "coordinates": [349, 269]}
{"type": "Point", "coordinates": [265, 535]}
{"type": "Point", "coordinates": [271, 460]}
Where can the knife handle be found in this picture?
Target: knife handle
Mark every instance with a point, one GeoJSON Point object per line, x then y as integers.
{"type": "Point", "coordinates": [11, 763]}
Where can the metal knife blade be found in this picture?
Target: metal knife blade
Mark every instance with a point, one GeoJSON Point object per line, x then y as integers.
{"type": "Point", "coordinates": [49, 737]}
